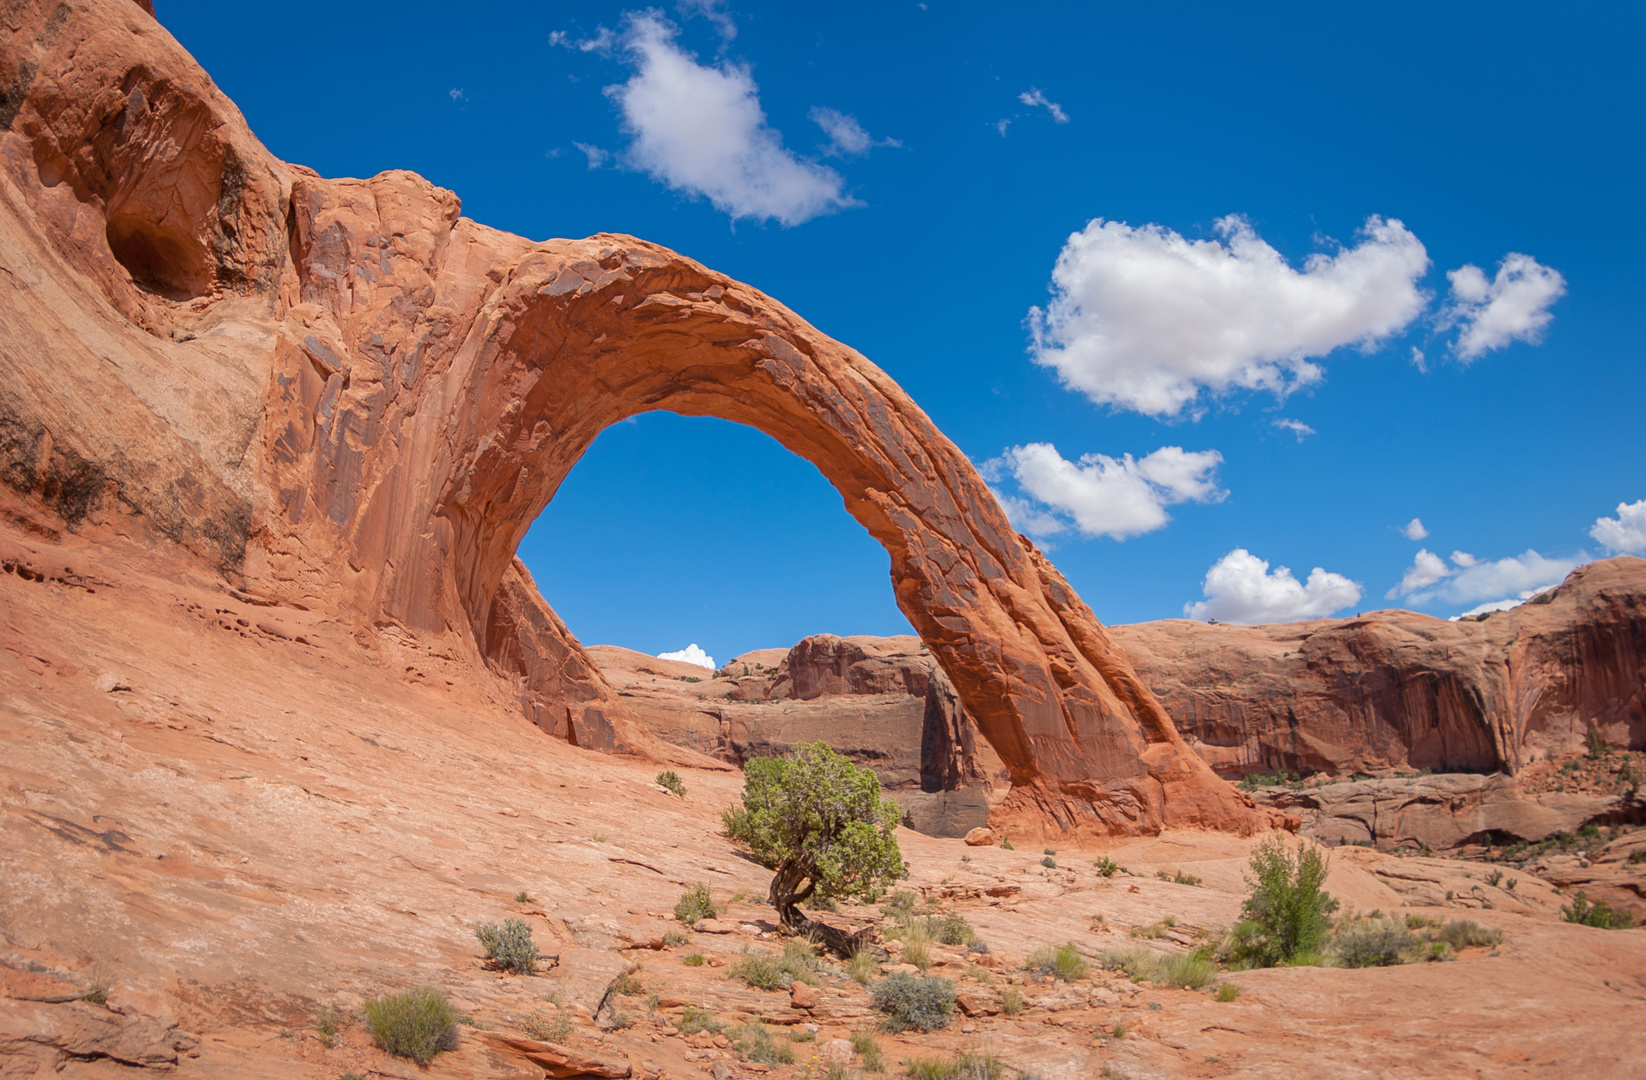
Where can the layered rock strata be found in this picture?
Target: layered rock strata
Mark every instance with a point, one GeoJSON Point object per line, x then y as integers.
{"type": "Point", "coordinates": [1398, 690]}
{"type": "Point", "coordinates": [347, 397]}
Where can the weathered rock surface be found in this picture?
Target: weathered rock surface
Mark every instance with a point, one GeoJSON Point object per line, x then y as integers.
{"type": "Point", "coordinates": [349, 398]}
{"type": "Point", "coordinates": [883, 702]}
{"type": "Point", "coordinates": [1444, 811]}
{"type": "Point", "coordinates": [1399, 690]}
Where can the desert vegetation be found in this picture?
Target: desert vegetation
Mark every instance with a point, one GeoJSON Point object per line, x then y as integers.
{"type": "Point", "coordinates": [416, 1024]}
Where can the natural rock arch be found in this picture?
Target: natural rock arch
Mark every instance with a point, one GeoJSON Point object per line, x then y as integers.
{"type": "Point", "coordinates": [428, 382]}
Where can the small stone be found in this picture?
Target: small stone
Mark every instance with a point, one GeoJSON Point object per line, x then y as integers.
{"type": "Point", "coordinates": [802, 996]}
{"type": "Point", "coordinates": [721, 1071]}
{"type": "Point", "coordinates": [109, 682]}
{"type": "Point", "coordinates": [902, 969]}
{"type": "Point", "coordinates": [838, 1050]}
{"type": "Point", "coordinates": [980, 837]}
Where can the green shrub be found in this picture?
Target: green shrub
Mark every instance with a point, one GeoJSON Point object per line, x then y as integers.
{"type": "Point", "coordinates": [1168, 969]}
{"type": "Point", "coordinates": [670, 780]}
{"type": "Point", "coordinates": [1373, 943]}
{"type": "Point", "coordinates": [1011, 1001]}
{"type": "Point", "coordinates": [1227, 992]}
{"type": "Point", "coordinates": [692, 960]}
{"type": "Point", "coordinates": [671, 938]}
{"type": "Point", "coordinates": [626, 985]}
{"type": "Point", "coordinates": [1179, 878]}
{"type": "Point", "coordinates": [1106, 866]}
{"type": "Point", "coordinates": [901, 906]}
{"type": "Point", "coordinates": [964, 1066]}
{"type": "Point", "coordinates": [1063, 962]}
{"type": "Point", "coordinates": [1466, 933]}
{"type": "Point", "coordinates": [953, 929]}
{"type": "Point", "coordinates": [862, 967]}
{"type": "Point", "coordinates": [523, 897]}
{"type": "Point", "coordinates": [509, 947]}
{"type": "Point", "coordinates": [755, 1043]}
{"type": "Point", "coordinates": [1286, 916]}
{"type": "Point", "coordinates": [1006, 843]}
{"type": "Point", "coordinates": [1193, 970]}
{"type": "Point", "coordinates": [694, 905]}
{"type": "Point", "coordinates": [693, 1020]}
{"type": "Point", "coordinates": [1049, 863]}
{"type": "Point", "coordinates": [417, 1024]}
{"type": "Point", "coordinates": [914, 1001]}
{"type": "Point", "coordinates": [867, 1049]}
{"type": "Point", "coordinates": [544, 1029]}
{"type": "Point", "coordinates": [325, 1024]}
{"type": "Point", "coordinates": [761, 971]}
{"type": "Point", "coordinates": [1598, 913]}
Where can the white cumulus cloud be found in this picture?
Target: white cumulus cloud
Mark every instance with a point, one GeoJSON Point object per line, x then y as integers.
{"type": "Point", "coordinates": [700, 129]}
{"type": "Point", "coordinates": [1414, 530]}
{"type": "Point", "coordinates": [1142, 318]}
{"type": "Point", "coordinates": [1100, 495]}
{"type": "Point", "coordinates": [1512, 306]}
{"type": "Point", "coordinates": [1625, 533]}
{"type": "Point", "coordinates": [691, 654]}
{"type": "Point", "coordinates": [1240, 588]}
{"type": "Point", "coordinates": [1470, 580]}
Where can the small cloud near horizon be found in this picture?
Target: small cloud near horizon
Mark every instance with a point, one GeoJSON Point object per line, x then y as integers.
{"type": "Point", "coordinates": [1240, 588]}
{"type": "Point", "coordinates": [691, 654]}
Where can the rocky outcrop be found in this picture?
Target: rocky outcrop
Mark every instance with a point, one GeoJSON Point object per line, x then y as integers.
{"type": "Point", "coordinates": [1399, 690]}
{"type": "Point", "coordinates": [883, 702]}
{"type": "Point", "coordinates": [1444, 812]}
{"type": "Point", "coordinates": [349, 398]}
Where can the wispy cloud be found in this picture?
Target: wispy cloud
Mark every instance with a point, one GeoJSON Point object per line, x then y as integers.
{"type": "Point", "coordinates": [1034, 98]}
{"type": "Point", "coordinates": [847, 137]}
{"type": "Point", "coordinates": [699, 129]}
{"type": "Point", "coordinates": [1466, 579]}
{"type": "Point", "coordinates": [1296, 427]}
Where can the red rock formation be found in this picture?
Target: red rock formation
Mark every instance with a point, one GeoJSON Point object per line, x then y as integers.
{"type": "Point", "coordinates": [882, 702]}
{"type": "Point", "coordinates": [1399, 690]}
{"type": "Point", "coordinates": [358, 401]}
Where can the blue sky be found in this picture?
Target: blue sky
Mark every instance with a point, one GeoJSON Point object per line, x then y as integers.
{"type": "Point", "coordinates": [1240, 225]}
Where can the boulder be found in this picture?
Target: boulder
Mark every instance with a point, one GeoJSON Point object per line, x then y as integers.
{"type": "Point", "coordinates": [980, 837]}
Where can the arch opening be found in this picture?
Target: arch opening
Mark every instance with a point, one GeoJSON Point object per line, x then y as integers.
{"type": "Point", "coordinates": [678, 530]}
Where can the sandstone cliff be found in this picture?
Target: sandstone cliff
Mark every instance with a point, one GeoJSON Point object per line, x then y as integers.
{"type": "Point", "coordinates": [883, 702]}
{"type": "Point", "coordinates": [346, 397]}
{"type": "Point", "coordinates": [1399, 690]}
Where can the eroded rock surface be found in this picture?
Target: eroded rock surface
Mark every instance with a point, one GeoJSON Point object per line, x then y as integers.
{"type": "Point", "coordinates": [883, 702]}
{"type": "Point", "coordinates": [354, 400]}
{"type": "Point", "coordinates": [1399, 690]}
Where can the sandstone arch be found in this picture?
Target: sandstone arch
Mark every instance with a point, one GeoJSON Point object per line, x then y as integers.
{"type": "Point", "coordinates": [426, 384]}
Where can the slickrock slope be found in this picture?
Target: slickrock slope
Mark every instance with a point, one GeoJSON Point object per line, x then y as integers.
{"type": "Point", "coordinates": [883, 702]}
{"type": "Point", "coordinates": [231, 815]}
{"type": "Point", "coordinates": [1399, 690]}
{"type": "Point", "coordinates": [347, 397]}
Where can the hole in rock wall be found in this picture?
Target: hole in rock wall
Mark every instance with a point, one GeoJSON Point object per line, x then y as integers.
{"type": "Point", "coordinates": [165, 261]}
{"type": "Point", "coordinates": [673, 531]}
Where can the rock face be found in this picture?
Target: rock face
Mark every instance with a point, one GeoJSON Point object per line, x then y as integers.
{"type": "Point", "coordinates": [347, 397]}
{"type": "Point", "coordinates": [1399, 690]}
{"type": "Point", "coordinates": [1445, 811]}
{"type": "Point", "coordinates": [883, 702]}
